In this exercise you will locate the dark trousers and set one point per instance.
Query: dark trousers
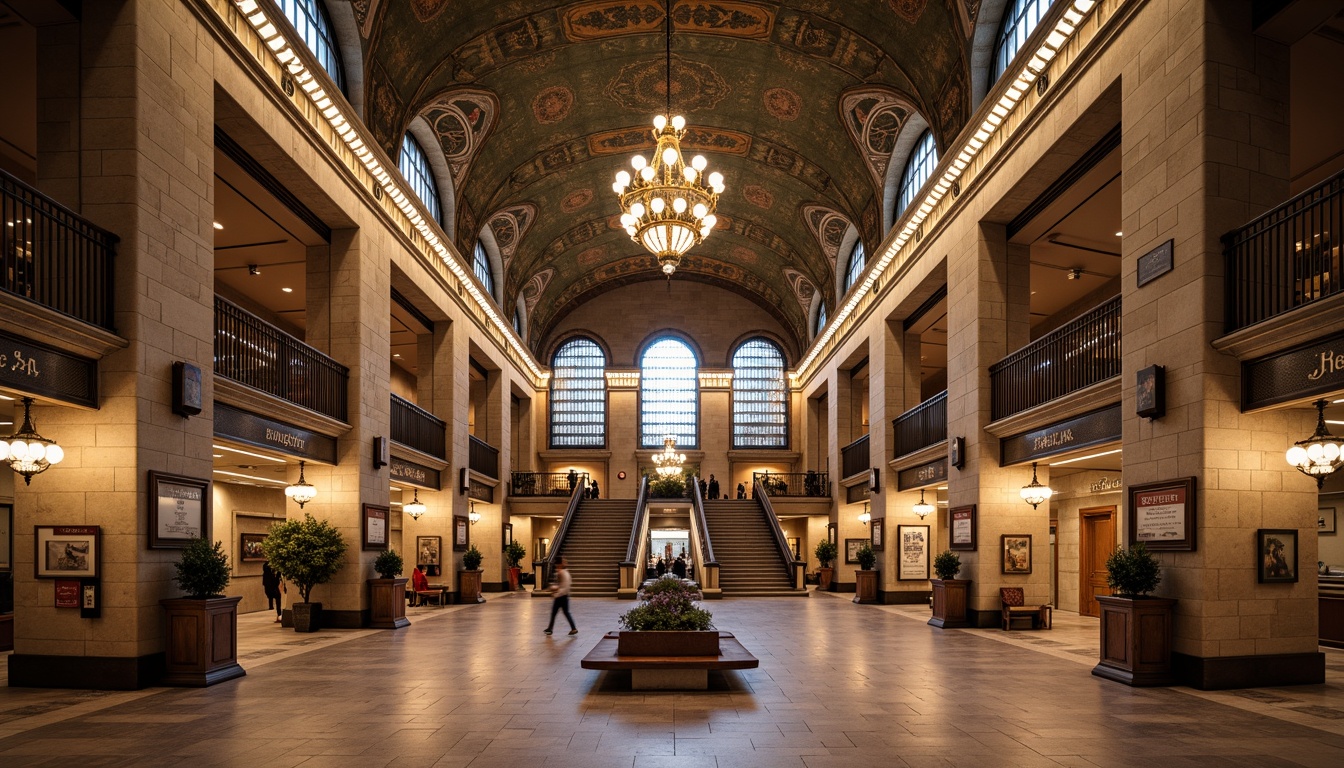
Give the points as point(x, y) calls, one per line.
point(560, 604)
point(274, 599)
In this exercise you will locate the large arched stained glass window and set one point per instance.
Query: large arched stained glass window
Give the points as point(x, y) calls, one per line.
point(480, 264)
point(1019, 21)
point(414, 166)
point(311, 21)
point(821, 320)
point(579, 395)
point(668, 395)
point(760, 396)
point(917, 170)
point(854, 267)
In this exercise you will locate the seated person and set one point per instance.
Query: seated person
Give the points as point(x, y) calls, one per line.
point(419, 582)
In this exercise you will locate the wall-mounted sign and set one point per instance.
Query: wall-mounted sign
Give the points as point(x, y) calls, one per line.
point(913, 557)
point(923, 475)
point(241, 426)
point(42, 371)
point(179, 510)
point(1150, 392)
point(1095, 428)
point(480, 491)
point(1162, 515)
point(961, 520)
point(1311, 369)
point(67, 593)
point(1102, 485)
point(1155, 263)
point(409, 472)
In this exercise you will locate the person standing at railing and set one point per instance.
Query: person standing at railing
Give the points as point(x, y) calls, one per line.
point(573, 478)
point(713, 487)
point(741, 491)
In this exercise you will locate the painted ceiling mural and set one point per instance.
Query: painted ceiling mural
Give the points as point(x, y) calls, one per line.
point(538, 105)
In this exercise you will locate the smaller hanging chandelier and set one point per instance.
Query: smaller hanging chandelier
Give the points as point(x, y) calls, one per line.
point(1035, 493)
point(473, 515)
point(668, 463)
point(1319, 455)
point(865, 517)
point(27, 452)
point(923, 508)
point(302, 491)
point(415, 508)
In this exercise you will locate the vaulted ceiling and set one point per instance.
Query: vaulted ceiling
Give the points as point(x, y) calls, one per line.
point(538, 104)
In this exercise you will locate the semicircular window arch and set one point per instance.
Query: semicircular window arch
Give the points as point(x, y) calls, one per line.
point(313, 23)
point(1019, 21)
point(414, 167)
point(669, 396)
point(858, 258)
point(760, 396)
point(917, 171)
point(579, 395)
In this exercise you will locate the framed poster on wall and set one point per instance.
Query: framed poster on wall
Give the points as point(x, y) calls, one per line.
point(1016, 553)
point(1163, 515)
point(913, 557)
point(249, 548)
point(461, 533)
point(179, 510)
point(1276, 550)
point(375, 527)
point(427, 551)
point(65, 551)
point(961, 521)
point(878, 530)
point(852, 547)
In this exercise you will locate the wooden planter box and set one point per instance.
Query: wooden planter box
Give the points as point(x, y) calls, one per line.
point(686, 643)
point(469, 586)
point(865, 586)
point(824, 578)
point(307, 616)
point(949, 603)
point(387, 604)
point(202, 647)
point(1136, 640)
point(515, 574)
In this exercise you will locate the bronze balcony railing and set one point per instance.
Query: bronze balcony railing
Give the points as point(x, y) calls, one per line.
point(1083, 352)
point(416, 428)
point(482, 457)
point(921, 426)
point(854, 457)
point(544, 483)
point(1288, 257)
point(251, 351)
point(54, 257)
point(793, 483)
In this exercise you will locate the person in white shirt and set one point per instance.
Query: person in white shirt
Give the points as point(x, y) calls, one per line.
point(560, 599)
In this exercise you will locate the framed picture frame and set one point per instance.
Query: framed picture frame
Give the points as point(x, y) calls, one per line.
point(961, 525)
point(1276, 555)
point(374, 527)
point(6, 537)
point(878, 527)
point(1015, 554)
point(249, 548)
point(66, 551)
point(912, 559)
point(795, 546)
point(1162, 515)
point(427, 550)
point(508, 537)
point(1150, 392)
point(179, 510)
point(852, 547)
point(1326, 521)
point(461, 533)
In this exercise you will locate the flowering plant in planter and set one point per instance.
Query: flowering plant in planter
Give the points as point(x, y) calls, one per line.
point(668, 605)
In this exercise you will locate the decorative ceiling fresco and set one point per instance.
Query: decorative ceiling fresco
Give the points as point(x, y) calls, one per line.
point(538, 105)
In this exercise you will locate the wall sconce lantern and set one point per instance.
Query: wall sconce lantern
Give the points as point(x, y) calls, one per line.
point(1318, 456)
point(415, 508)
point(923, 508)
point(473, 515)
point(1035, 493)
point(302, 491)
point(864, 516)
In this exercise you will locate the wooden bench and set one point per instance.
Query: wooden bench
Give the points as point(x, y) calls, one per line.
point(436, 592)
point(669, 672)
point(1039, 616)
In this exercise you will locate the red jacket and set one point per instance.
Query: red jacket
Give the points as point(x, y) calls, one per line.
point(418, 581)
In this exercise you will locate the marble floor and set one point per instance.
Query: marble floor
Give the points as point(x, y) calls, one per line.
point(839, 685)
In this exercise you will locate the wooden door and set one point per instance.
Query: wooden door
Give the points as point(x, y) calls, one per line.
point(1096, 541)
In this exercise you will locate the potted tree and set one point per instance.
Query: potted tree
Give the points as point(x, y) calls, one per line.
point(865, 579)
point(825, 552)
point(307, 552)
point(949, 592)
point(469, 578)
point(514, 554)
point(1136, 629)
point(387, 593)
point(673, 487)
point(202, 642)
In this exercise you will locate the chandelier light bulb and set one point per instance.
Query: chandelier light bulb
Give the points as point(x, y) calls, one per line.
point(689, 173)
point(669, 156)
point(1297, 456)
point(704, 232)
point(55, 454)
point(669, 268)
point(618, 187)
point(679, 205)
point(637, 210)
point(646, 173)
point(699, 162)
point(699, 210)
point(678, 123)
point(638, 162)
point(627, 220)
point(631, 230)
point(623, 178)
point(657, 205)
point(710, 220)
point(659, 122)
point(716, 179)
point(718, 189)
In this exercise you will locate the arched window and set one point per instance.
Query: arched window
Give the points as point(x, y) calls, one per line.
point(415, 169)
point(578, 395)
point(518, 321)
point(760, 397)
point(854, 268)
point(480, 264)
point(821, 320)
point(917, 170)
point(1019, 21)
point(310, 19)
point(668, 397)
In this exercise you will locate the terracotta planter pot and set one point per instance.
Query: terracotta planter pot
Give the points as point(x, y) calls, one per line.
point(515, 573)
point(865, 586)
point(469, 586)
point(824, 578)
point(387, 604)
point(949, 603)
point(1136, 639)
point(307, 616)
point(687, 643)
point(202, 647)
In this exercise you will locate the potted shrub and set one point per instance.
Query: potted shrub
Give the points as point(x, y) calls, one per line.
point(306, 552)
point(949, 592)
point(202, 642)
point(514, 554)
point(865, 579)
point(469, 578)
point(668, 622)
point(1136, 629)
point(673, 487)
point(825, 552)
point(387, 593)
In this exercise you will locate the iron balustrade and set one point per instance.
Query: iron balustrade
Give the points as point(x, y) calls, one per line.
point(854, 457)
point(544, 483)
point(53, 256)
point(1286, 258)
point(921, 426)
point(1083, 352)
point(416, 428)
point(251, 351)
point(483, 457)
point(810, 483)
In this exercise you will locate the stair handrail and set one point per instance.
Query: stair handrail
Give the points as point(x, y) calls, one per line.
point(548, 565)
point(794, 566)
point(706, 546)
point(707, 567)
point(636, 526)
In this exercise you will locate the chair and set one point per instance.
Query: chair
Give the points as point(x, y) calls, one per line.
point(1039, 616)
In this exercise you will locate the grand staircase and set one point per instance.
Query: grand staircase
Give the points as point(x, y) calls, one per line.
point(596, 543)
point(750, 563)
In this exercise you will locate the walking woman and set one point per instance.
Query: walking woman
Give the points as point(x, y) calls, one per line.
point(273, 585)
point(560, 599)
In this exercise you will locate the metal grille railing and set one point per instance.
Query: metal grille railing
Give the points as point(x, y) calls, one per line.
point(1081, 353)
point(921, 426)
point(53, 256)
point(251, 351)
point(544, 483)
point(793, 483)
point(854, 457)
point(414, 427)
point(483, 457)
point(1287, 258)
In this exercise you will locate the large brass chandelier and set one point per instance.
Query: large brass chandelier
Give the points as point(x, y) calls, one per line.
point(667, 205)
point(668, 463)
